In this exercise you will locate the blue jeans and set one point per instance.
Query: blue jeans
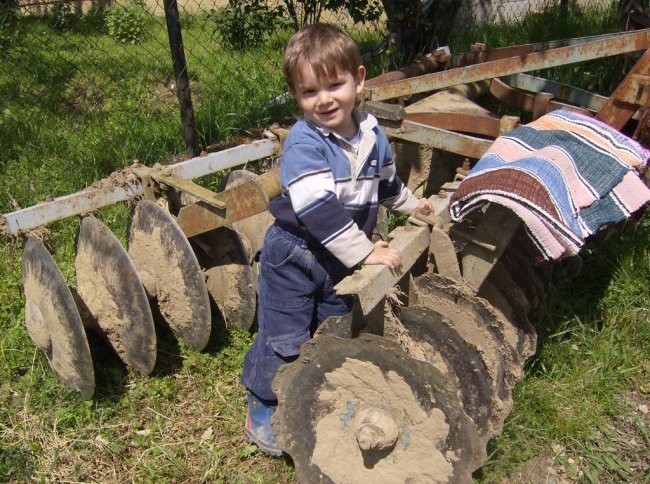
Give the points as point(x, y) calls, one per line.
point(295, 294)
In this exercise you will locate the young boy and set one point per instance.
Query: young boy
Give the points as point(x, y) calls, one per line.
point(336, 169)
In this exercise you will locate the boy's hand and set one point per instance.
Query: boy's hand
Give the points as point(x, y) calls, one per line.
point(382, 254)
point(424, 207)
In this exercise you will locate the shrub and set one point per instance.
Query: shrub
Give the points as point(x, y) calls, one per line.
point(246, 23)
point(60, 15)
point(126, 22)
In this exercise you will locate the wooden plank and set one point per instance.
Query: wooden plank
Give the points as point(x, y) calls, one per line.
point(372, 282)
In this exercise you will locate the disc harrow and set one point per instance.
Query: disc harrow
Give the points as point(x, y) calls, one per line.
point(170, 272)
point(112, 297)
point(53, 321)
point(416, 380)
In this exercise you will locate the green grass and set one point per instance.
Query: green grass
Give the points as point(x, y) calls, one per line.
point(91, 106)
point(579, 400)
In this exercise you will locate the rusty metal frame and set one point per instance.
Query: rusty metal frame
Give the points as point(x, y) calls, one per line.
point(439, 130)
point(483, 64)
point(602, 46)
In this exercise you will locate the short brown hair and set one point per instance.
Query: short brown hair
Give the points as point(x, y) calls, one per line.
point(323, 47)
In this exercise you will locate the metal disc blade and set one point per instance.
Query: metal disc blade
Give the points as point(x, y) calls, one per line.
point(252, 228)
point(53, 320)
point(362, 410)
point(170, 272)
point(229, 275)
point(477, 323)
point(427, 336)
point(510, 302)
point(111, 290)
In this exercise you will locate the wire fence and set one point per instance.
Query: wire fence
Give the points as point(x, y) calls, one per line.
point(86, 86)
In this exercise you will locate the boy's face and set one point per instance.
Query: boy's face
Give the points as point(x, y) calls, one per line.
point(328, 100)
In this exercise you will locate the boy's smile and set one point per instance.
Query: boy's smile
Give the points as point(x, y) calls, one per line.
point(328, 100)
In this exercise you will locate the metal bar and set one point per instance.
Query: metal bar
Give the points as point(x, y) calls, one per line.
point(197, 191)
point(457, 121)
point(485, 55)
point(638, 90)
point(91, 199)
point(628, 42)
point(486, 243)
point(439, 138)
point(372, 282)
point(560, 91)
point(539, 103)
point(618, 109)
point(241, 201)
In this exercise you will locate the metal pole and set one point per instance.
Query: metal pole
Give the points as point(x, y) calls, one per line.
point(182, 78)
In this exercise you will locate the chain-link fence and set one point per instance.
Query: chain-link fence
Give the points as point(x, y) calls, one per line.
point(86, 86)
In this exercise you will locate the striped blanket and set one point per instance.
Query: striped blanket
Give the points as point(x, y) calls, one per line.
point(565, 175)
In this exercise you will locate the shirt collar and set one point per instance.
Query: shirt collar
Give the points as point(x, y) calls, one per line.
point(366, 122)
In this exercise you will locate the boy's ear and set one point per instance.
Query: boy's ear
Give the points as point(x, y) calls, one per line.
point(361, 78)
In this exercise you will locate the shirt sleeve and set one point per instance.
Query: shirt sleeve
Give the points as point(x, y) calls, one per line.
point(393, 193)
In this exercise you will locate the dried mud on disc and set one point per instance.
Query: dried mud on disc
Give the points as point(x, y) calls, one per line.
point(52, 319)
point(430, 337)
point(477, 323)
point(111, 290)
point(510, 303)
point(170, 272)
point(341, 402)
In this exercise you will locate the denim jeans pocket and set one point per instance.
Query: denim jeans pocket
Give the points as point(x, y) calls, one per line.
point(279, 251)
point(288, 345)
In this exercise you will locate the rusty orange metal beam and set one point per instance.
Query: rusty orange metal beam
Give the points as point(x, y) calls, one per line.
point(632, 92)
point(595, 49)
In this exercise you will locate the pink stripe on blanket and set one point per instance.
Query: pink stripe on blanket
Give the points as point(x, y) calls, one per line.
point(590, 133)
point(550, 243)
point(632, 192)
point(508, 149)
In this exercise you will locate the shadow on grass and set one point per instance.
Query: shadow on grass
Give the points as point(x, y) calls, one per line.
point(112, 374)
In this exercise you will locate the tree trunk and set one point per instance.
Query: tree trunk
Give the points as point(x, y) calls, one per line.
point(416, 27)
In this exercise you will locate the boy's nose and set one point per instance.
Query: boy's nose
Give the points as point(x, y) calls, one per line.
point(324, 97)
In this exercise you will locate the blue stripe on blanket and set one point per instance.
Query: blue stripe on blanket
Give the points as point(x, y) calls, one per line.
point(604, 211)
point(598, 168)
